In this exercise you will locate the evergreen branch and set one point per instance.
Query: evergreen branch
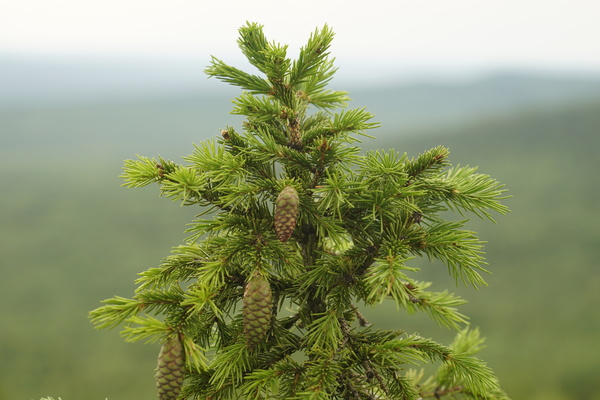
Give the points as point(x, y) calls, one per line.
point(264, 143)
point(386, 209)
point(311, 56)
point(230, 365)
point(331, 279)
point(200, 298)
point(269, 58)
point(321, 379)
point(278, 65)
point(291, 380)
point(361, 318)
point(284, 377)
point(441, 306)
point(258, 108)
point(328, 99)
point(169, 272)
point(173, 296)
point(410, 350)
point(213, 274)
point(352, 121)
point(324, 333)
point(386, 278)
point(470, 373)
point(180, 266)
point(315, 84)
point(216, 166)
point(381, 169)
point(145, 170)
point(468, 342)
point(194, 355)
point(459, 249)
point(233, 142)
point(332, 229)
point(116, 311)
point(200, 387)
point(474, 192)
point(318, 119)
point(334, 193)
point(430, 161)
point(119, 309)
point(148, 328)
point(372, 372)
point(314, 92)
point(460, 369)
point(316, 127)
point(183, 184)
point(401, 388)
point(223, 72)
point(259, 383)
point(243, 197)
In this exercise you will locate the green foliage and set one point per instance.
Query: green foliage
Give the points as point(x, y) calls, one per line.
point(361, 220)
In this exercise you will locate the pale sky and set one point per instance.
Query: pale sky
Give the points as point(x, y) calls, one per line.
point(555, 34)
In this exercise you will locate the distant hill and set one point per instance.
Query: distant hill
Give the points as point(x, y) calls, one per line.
point(120, 107)
point(38, 81)
point(427, 105)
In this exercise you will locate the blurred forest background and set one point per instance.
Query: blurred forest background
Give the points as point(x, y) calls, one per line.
point(70, 236)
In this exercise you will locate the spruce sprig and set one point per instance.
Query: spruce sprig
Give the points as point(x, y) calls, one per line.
point(271, 309)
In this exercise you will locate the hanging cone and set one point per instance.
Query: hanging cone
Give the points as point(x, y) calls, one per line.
point(258, 306)
point(169, 373)
point(286, 213)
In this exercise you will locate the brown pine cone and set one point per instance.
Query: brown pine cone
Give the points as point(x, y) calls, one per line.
point(257, 310)
point(169, 373)
point(286, 213)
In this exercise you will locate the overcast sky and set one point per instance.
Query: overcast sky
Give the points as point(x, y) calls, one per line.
point(471, 34)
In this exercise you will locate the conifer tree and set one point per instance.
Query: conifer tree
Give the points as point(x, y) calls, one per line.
point(299, 230)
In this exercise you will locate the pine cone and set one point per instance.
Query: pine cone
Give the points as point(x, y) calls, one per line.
point(258, 306)
point(286, 212)
point(169, 373)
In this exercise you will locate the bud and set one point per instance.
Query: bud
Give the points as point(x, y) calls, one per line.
point(169, 373)
point(258, 306)
point(286, 212)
